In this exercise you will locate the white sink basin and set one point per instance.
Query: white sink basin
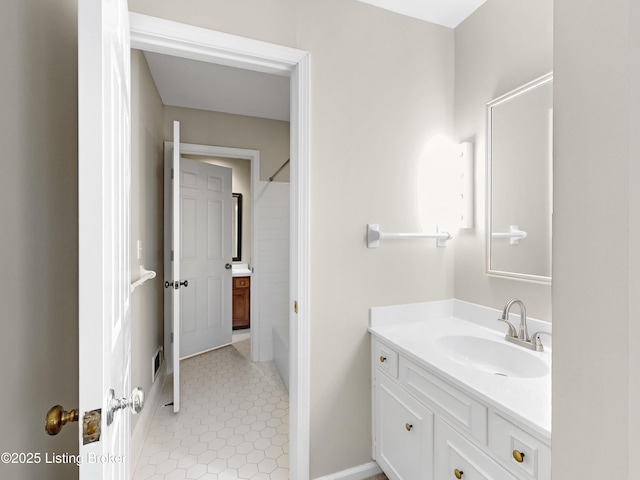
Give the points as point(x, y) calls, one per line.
point(492, 357)
point(240, 269)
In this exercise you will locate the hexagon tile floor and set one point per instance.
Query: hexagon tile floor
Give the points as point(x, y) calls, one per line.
point(233, 422)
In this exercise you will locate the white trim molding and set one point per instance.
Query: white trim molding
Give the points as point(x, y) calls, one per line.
point(167, 37)
point(300, 316)
point(361, 472)
point(158, 35)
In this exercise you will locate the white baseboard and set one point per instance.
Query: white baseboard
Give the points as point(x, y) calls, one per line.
point(356, 473)
point(281, 358)
point(152, 399)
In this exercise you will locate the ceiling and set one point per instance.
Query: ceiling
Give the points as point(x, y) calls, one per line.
point(448, 13)
point(192, 84)
point(206, 86)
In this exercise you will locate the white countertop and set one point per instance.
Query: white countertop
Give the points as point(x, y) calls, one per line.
point(240, 270)
point(415, 335)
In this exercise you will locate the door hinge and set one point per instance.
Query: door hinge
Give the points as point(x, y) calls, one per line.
point(91, 426)
point(295, 306)
point(171, 337)
point(172, 255)
point(172, 173)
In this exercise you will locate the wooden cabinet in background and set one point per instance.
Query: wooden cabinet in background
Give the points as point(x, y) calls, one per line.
point(241, 306)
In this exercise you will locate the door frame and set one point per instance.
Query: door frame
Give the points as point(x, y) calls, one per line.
point(172, 38)
point(253, 156)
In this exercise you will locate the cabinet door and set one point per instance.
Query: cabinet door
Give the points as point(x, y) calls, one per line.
point(457, 458)
point(403, 433)
point(241, 302)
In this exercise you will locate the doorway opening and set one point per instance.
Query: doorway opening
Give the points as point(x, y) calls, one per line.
point(166, 37)
point(269, 252)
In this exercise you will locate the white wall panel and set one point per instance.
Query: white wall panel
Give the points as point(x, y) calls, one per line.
point(272, 272)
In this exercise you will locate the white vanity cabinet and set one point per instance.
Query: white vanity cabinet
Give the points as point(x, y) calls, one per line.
point(426, 428)
point(404, 433)
point(456, 457)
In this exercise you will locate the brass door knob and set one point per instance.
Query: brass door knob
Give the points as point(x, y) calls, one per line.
point(458, 473)
point(57, 417)
point(382, 358)
point(519, 456)
point(408, 426)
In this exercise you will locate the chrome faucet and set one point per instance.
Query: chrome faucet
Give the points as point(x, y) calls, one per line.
point(520, 337)
point(522, 334)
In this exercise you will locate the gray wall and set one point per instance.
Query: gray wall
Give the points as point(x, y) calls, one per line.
point(38, 230)
point(501, 46)
point(596, 279)
point(271, 137)
point(147, 222)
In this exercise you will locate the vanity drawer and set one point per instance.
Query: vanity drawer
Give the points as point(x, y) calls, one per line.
point(385, 358)
point(507, 440)
point(455, 457)
point(241, 282)
point(460, 409)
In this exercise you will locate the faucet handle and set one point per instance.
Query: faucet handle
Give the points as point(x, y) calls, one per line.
point(512, 331)
point(535, 339)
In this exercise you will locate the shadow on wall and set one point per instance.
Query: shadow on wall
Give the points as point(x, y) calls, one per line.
point(38, 244)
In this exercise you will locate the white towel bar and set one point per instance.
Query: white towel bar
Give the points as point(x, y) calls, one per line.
point(514, 234)
point(374, 235)
point(144, 276)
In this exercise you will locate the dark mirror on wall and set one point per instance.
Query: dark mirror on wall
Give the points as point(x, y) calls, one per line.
point(236, 226)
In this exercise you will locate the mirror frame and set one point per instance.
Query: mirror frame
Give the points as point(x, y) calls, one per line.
point(489, 180)
point(236, 224)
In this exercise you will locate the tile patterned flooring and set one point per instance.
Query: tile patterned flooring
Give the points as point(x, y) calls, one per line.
point(233, 423)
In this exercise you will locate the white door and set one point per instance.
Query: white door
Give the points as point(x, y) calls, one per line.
point(198, 231)
point(205, 257)
point(103, 196)
point(172, 261)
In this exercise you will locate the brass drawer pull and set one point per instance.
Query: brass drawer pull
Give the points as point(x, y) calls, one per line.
point(519, 456)
point(408, 426)
point(382, 358)
point(458, 473)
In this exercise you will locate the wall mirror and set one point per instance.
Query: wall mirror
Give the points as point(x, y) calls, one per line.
point(236, 226)
point(519, 182)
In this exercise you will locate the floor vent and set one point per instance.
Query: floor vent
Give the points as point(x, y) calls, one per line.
point(156, 361)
